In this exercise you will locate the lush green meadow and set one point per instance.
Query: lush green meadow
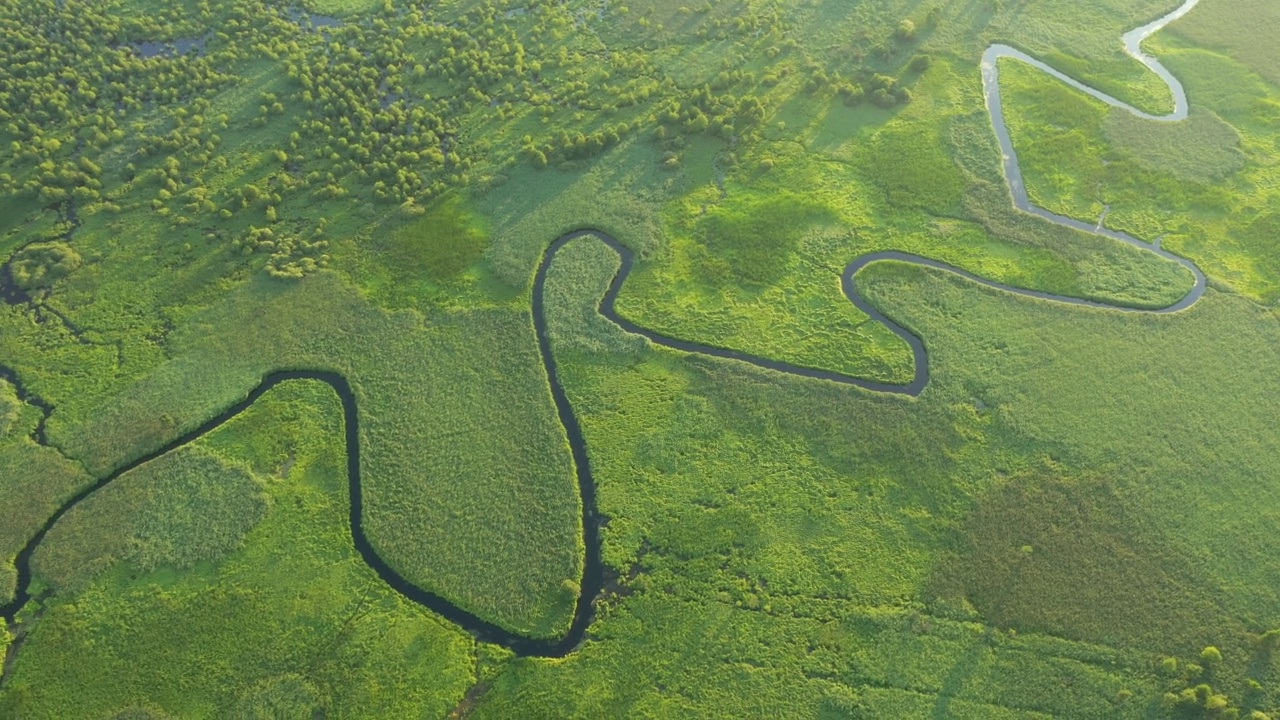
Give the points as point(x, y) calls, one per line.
point(37, 480)
point(1024, 492)
point(1075, 519)
point(1206, 187)
point(220, 581)
point(445, 452)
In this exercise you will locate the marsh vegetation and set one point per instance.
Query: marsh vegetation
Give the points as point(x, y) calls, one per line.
point(1075, 519)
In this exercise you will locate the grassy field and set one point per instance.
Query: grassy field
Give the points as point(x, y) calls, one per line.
point(878, 196)
point(1076, 519)
point(1210, 198)
point(438, 401)
point(38, 479)
point(1238, 30)
point(918, 558)
point(273, 615)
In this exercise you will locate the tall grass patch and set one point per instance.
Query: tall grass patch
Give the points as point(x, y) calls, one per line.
point(913, 166)
point(1171, 410)
point(468, 483)
point(1243, 29)
point(753, 238)
point(175, 511)
point(1201, 149)
point(443, 241)
point(1064, 557)
point(291, 623)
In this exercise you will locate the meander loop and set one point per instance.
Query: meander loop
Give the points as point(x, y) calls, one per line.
point(593, 573)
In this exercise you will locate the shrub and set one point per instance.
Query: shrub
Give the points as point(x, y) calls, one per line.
point(883, 98)
point(40, 265)
point(852, 94)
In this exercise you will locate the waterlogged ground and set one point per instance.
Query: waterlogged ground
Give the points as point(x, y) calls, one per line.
point(1074, 519)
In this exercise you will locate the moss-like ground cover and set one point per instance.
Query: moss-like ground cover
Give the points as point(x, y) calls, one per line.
point(1076, 519)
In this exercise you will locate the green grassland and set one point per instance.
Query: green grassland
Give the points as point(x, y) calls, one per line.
point(1080, 503)
point(890, 185)
point(272, 614)
point(914, 558)
point(445, 451)
point(1210, 195)
point(1236, 29)
point(36, 481)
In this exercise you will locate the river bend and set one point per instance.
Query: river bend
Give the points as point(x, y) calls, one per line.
point(593, 575)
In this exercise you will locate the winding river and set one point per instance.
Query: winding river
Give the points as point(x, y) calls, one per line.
point(593, 575)
point(1013, 170)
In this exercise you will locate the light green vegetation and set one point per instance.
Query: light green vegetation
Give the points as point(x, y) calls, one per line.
point(1077, 496)
point(305, 150)
point(1201, 149)
point(1191, 421)
point(920, 183)
point(715, 660)
point(179, 510)
point(287, 623)
point(770, 568)
point(1239, 29)
point(40, 265)
point(1081, 39)
point(445, 451)
point(9, 408)
point(1207, 186)
point(35, 482)
point(343, 7)
point(1083, 264)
